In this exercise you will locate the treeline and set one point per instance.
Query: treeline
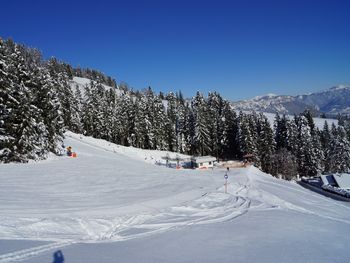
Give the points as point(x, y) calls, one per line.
point(91, 74)
point(209, 126)
point(31, 104)
point(37, 103)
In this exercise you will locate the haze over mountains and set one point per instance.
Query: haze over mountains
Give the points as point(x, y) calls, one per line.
point(331, 102)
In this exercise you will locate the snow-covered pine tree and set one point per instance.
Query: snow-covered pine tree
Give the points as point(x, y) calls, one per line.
point(99, 102)
point(93, 108)
point(6, 104)
point(185, 128)
point(26, 135)
point(76, 124)
point(308, 160)
point(159, 126)
point(254, 125)
point(47, 89)
point(281, 131)
point(292, 135)
point(247, 137)
point(318, 153)
point(69, 102)
point(266, 144)
point(31, 135)
point(307, 114)
point(110, 117)
point(127, 119)
point(119, 121)
point(87, 111)
point(172, 123)
point(338, 155)
point(191, 131)
point(150, 112)
point(201, 138)
point(142, 124)
point(215, 110)
point(230, 145)
point(325, 140)
point(181, 124)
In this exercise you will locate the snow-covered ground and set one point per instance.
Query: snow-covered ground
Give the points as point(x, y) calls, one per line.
point(113, 204)
point(319, 122)
point(82, 83)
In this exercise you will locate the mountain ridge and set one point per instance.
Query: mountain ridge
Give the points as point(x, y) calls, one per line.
point(332, 101)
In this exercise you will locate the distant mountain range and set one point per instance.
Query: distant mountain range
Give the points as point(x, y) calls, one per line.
point(331, 102)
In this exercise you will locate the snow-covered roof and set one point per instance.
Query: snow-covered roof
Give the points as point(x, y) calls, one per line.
point(328, 179)
point(343, 180)
point(203, 159)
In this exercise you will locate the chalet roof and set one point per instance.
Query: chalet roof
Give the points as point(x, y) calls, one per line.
point(328, 179)
point(343, 180)
point(203, 159)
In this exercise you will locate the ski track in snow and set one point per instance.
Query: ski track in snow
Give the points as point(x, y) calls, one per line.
point(249, 190)
point(211, 208)
point(31, 252)
point(326, 205)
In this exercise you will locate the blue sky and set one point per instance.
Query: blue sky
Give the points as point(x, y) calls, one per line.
point(238, 48)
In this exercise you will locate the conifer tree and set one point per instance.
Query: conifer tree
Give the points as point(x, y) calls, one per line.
point(247, 142)
point(266, 144)
point(181, 125)
point(160, 124)
point(293, 137)
point(325, 140)
point(230, 145)
point(339, 151)
point(76, 124)
point(281, 131)
point(215, 117)
point(47, 90)
point(126, 117)
point(7, 102)
point(142, 124)
point(308, 159)
point(201, 137)
point(172, 122)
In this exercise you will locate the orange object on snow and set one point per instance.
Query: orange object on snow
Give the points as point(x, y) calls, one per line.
point(74, 155)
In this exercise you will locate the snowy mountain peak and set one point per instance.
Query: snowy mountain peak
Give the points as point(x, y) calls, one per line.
point(340, 87)
point(331, 101)
point(266, 96)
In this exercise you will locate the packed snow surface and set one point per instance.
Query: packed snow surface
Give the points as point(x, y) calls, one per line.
point(120, 204)
point(82, 83)
point(319, 122)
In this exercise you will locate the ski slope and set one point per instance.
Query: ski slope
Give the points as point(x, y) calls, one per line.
point(113, 204)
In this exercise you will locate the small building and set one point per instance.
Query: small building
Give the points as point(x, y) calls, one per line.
point(336, 186)
point(203, 162)
point(328, 179)
point(340, 180)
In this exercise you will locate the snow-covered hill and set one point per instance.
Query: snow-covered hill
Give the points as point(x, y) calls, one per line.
point(109, 193)
point(319, 122)
point(82, 83)
point(332, 101)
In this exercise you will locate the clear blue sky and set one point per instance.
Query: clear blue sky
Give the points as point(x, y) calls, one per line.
point(238, 48)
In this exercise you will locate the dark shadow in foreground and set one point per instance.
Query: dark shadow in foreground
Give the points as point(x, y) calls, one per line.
point(58, 257)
